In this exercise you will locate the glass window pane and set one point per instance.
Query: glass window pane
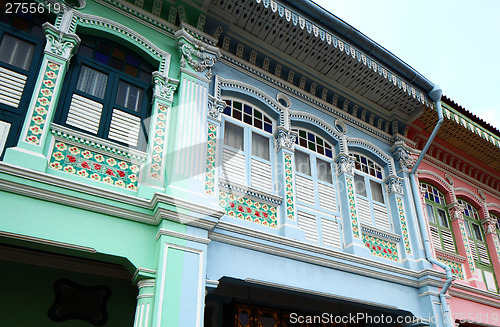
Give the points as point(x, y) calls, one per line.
point(302, 163)
point(233, 136)
point(129, 96)
point(443, 221)
point(16, 52)
point(359, 185)
point(92, 82)
point(377, 191)
point(467, 227)
point(260, 146)
point(477, 232)
point(430, 213)
point(324, 171)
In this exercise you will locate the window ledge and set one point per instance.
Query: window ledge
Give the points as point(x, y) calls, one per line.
point(251, 192)
point(450, 256)
point(99, 144)
point(388, 236)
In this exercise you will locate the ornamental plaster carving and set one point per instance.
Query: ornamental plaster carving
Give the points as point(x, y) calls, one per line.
point(345, 164)
point(489, 226)
point(285, 139)
point(394, 185)
point(456, 211)
point(60, 44)
point(215, 107)
point(164, 86)
point(197, 58)
point(405, 158)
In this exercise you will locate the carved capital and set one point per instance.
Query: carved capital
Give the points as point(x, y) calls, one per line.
point(60, 44)
point(394, 185)
point(489, 225)
point(196, 57)
point(345, 164)
point(456, 211)
point(164, 86)
point(215, 107)
point(404, 157)
point(285, 139)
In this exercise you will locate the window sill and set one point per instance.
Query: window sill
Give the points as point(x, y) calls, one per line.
point(251, 192)
point(388, 236)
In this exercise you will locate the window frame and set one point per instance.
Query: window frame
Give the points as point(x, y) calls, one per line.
point(368, 179)
point(247, 151)
point(469, 222)
point(108, 102)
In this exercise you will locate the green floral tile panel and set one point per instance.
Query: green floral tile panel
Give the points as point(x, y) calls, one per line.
point(210, 164)
point(467, 248)
point(352, 208)
point(158, 143)
point(38, 119)
point(248, 209)
point(95, 166)
point(381, 248)
point(456, 268)
point(404, 227)
point(290, 213)
point(497, 245)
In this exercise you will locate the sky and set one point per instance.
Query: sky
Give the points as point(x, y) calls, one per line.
point(455, 44)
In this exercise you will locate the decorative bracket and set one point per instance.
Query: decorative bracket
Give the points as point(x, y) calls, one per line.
point(215, 107)
point(345, 164)
point(164, 86)
point(60, 44)
point(285, 139)
point(406, 156)
point(394, 185)
point(456, 211)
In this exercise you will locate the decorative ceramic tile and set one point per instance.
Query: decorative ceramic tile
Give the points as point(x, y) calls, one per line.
point(381, 248)
point(467, 247)
point(352, 208)
point(88, 164)
point(497, 245)
point(248, 209)
point(210, 164)
point(404, 227)
point(38, 119)
point(290, 210)
point(159, 142)
point(456, 268)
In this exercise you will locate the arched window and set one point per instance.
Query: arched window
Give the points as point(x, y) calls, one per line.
point(439, 220)
point(247, 154)
point(370, 195)
point(21, 48)
point(315, 187)
point(108, 93)
point(477, 244)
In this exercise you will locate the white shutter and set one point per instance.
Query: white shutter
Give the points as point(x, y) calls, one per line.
point(84, 114)
point(490, 281)
point(448, 243)
point(4, 132)
point(330, 232)
point(305, 190)
point(261, 175)
point(233, 166)
point(11, 87)
point(472, 247)
point(307, 223)
point(435, 237)
point(124, 127)
point(363, 208)
point(381, 217)
point(483, 253)
point(327, 198)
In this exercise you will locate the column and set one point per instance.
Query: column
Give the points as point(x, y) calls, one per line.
point(462, 243)
point(144, 303)
point(285, 141)
point(153, 176)
point(35, 134)
point(353, 238)
point(187, 152)
point(493, 245)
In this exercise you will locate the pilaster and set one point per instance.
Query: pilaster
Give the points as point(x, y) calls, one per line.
point(143, 311)
point(493, 245)
point(35, 134)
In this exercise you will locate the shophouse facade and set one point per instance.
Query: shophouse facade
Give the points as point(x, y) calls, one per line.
point(234, 163)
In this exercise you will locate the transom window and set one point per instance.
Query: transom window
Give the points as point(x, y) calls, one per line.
point(247, 113)
point(108, 87)
point(367, 166)
point(437, 213)
point(370, 193)
point(313, 142)
point(247, 154)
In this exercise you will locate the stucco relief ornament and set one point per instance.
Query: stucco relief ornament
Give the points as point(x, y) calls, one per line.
point(345, 164)
point(285, 139)
point(394, 185)
point(456, 211)
point(215, 107)
point(164, 89)
point(59, 43)
point(406, 159)
point(489, 226)
point(196, 57)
